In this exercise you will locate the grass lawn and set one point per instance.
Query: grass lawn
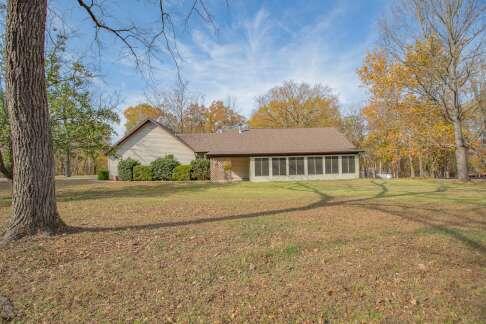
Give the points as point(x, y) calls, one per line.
point(349, 250)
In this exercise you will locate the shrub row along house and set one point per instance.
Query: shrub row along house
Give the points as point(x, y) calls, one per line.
point(246, 154)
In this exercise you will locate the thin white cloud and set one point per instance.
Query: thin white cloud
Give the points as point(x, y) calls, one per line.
point(260, 52)
point(254, 61)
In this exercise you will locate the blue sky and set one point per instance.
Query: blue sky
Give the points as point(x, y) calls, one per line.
point(257, 45)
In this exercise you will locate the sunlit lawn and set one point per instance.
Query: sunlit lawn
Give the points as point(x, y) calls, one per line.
point(349, 250)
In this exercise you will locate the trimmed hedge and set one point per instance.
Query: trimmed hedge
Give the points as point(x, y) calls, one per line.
point(103, 175)
point(163, 168)
point(182, 173)
point(200, 169)
point(142, 173)
point(125, 169)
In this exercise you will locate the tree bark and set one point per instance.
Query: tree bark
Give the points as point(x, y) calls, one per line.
point(34, 207)
point(67, 163)
point(412, 168)
point(421, 166)
point(461, 151)
point(93, 159)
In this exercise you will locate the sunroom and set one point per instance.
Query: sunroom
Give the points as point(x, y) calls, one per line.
point(306, 167)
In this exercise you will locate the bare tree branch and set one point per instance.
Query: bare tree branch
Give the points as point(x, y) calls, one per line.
point(138, 40)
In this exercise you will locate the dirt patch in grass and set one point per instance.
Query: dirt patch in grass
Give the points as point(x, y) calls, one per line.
point(292, 251)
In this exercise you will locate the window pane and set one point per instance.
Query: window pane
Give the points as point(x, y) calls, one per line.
point(275, 167)
point(335, 165)
point(258, 167)
point(279, 166)
point(328, 165)
point(300, 166)
point(348, 164)
point(292, 166)
point(352, 165)
point(332, 166)
point(311, 166)
point(261, 167)
point(314, 165)
point(283, 166)
point(319, 165)
point(344, 164)
point(265, 165)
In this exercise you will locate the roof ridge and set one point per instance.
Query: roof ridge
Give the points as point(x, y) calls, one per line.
point(264, 128)
point(294, 127)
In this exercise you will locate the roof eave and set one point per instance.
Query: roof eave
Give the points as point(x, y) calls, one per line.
point(353, 151)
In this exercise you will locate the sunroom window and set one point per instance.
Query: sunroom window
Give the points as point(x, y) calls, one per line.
point(314, 165)
point(348, 165)
point(332, 166)
point(279, 166)
point(261, 167)
point(296, 166)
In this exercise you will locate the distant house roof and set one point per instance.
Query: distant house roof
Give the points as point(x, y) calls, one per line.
point(271, 141)
point(262, 141)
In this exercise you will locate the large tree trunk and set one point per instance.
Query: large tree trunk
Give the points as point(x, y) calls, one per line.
point(34, 207)
point(461, 151)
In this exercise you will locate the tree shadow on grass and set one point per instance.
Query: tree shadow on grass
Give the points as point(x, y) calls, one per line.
point(326, 200)
point(438, 226)
point(162, 189)
point(406, 212)
point(133, 190)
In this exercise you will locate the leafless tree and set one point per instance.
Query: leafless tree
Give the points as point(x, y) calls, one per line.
point(177, 101)
point(177, 104)
point(452, 34)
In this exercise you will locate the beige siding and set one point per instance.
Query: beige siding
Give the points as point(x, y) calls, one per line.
point(150, 143)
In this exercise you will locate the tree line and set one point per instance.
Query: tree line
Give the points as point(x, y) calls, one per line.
point(193, 117)
point(81, 124)
point(401, 133)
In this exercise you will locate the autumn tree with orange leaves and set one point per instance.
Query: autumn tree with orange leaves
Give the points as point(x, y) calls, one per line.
point(296, 105)
point(138, 113)
point(407, 133)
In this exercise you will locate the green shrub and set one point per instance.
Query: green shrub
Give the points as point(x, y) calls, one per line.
point(142, 173)
point(182, 173)
point(103, 175)
point(163, 168)
point(125, 169)
point(200, 169)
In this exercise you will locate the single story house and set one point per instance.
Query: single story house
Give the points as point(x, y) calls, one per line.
point(246, 154)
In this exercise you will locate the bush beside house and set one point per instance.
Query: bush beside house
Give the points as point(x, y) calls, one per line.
point(200, 169)
point(125, 169)
point(182, 173)
point(163, 168)
point(142, 173)
point(166, 168)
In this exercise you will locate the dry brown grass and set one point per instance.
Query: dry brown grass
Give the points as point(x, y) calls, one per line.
point(311, 251)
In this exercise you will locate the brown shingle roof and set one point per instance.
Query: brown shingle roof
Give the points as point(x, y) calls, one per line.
point(266, 141)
